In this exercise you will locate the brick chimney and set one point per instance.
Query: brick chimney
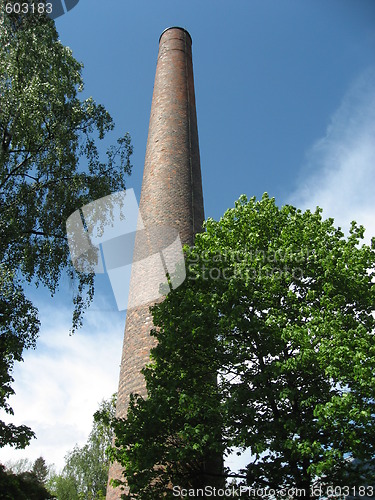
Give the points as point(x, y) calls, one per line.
point(171, 198)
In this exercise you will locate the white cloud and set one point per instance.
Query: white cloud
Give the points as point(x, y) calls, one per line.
point(339, 174)
point(60, 385)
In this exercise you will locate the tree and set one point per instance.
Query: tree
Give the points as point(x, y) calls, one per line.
point(85, 473)
point(21, 483)
point(279, 303)
point(19, 466)
point(40, 469)
point(49, 167)
point(64, 487)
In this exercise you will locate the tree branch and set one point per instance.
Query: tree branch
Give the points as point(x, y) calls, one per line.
point(42, 233)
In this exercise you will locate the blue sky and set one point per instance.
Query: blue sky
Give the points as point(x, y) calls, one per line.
point(286, 104)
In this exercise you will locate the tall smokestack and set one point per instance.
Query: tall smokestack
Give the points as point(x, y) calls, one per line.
point(171, 197)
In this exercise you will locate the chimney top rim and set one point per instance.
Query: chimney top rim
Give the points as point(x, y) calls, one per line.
point(176, 28)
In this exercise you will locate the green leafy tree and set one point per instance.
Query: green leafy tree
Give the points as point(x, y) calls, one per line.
point(21, 486)
point(49, 167)
point(85, 473)
point(279, 303)
point(64, 487)
point(39, 468)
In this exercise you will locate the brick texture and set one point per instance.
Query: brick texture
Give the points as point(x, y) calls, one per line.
point(171, 197)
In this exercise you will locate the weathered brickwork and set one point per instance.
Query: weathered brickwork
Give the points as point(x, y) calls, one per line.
point(171, 196)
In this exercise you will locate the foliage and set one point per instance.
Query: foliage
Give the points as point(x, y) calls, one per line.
point(24, 484)
point(63, 487)
point(49, 167)
point(85, 473)
point(278, 303)
point(40, 469)
point(19, 466)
